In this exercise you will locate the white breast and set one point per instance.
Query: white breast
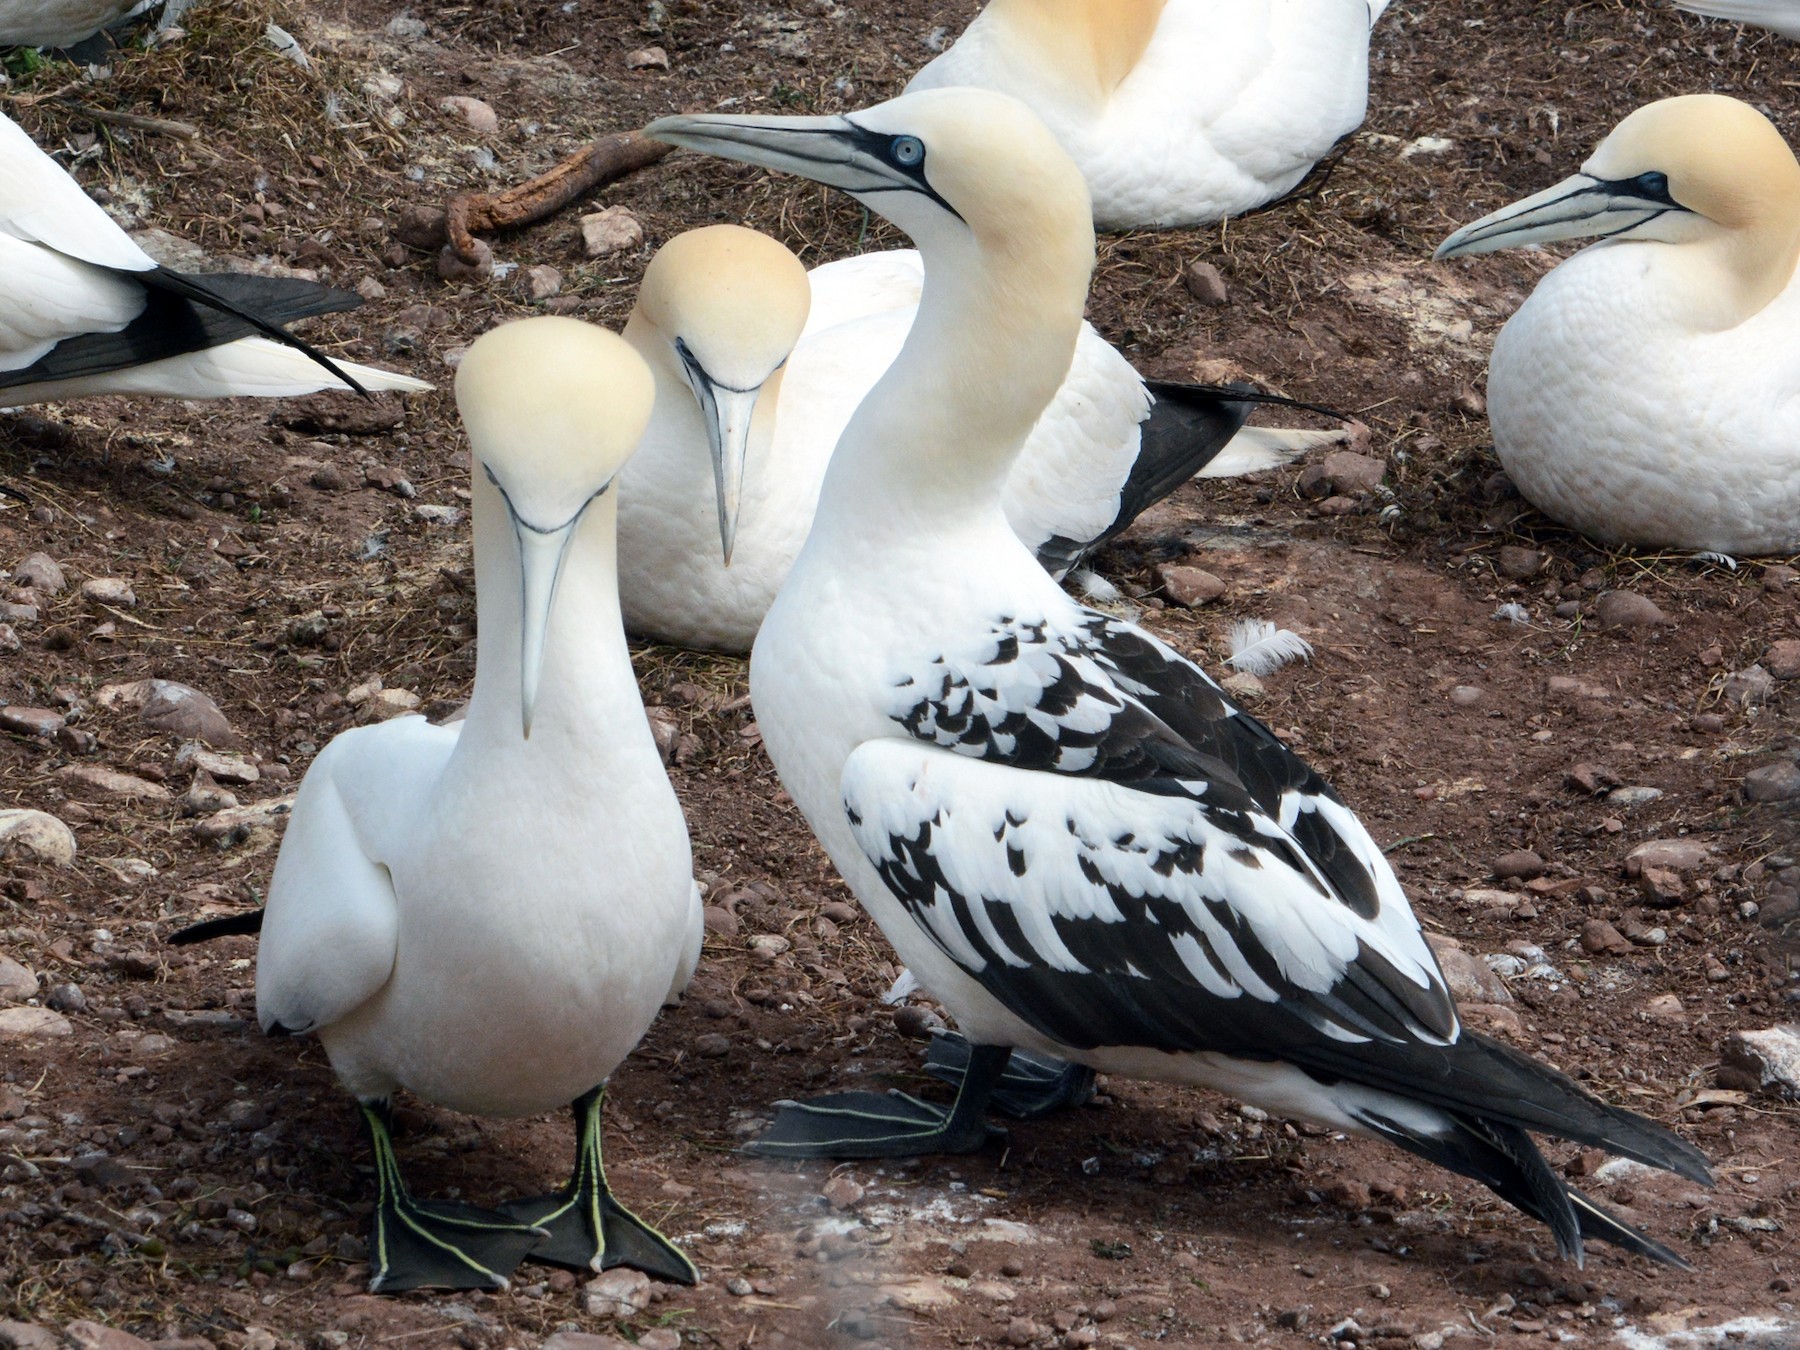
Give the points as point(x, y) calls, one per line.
point(57, 23)
point(1616, 418)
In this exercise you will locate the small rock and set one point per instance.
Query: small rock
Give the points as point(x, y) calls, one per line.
point(647, 58)
point(1189, 587)
point(1469, 402)
point(1600, 938)
point(618, 1293)
point(542, 282)
point(1466, 696)
point(665, 731)
point(1627, 609)
point(108, 591)
point(23, 721)
point(18, 1024)
point(1762, 1060)
point(1592, 778)
point(1242, 684)
point(1629, 797)
point(164, 705)
point(1469, 980)
point(1293, 1319)
point(205, 797)
point(233, 769)
point(659, 1338)
point(1522, 863)
point(614, 230)
point(40, 572)
point(1664, 1008)
point(1777, 577)
point(767, 947)
point(452, 266)
point(1349, 1194)
point(1749, 687)
point(107, 782)
point(1782, 660)
point(480, 117)
point(712, 1045)
point(739, 1287)
point(16, 983)
point(1777, 782)
point(1205, 283)
point(1677, 855)
point(916, 1023)
point(1661, 888)
point(9, 640)
point(1349, 472)
point(842, 1192)
point(1023, 1331)
point(1517, 563)
point(67, 998)
point(38, 833)
point(421, 227)
point(94, 1336)
point(256, 826)
point(329, 478)
point(584, 1340)
point(391, 703)
point(722, 921)
point(371, 290)
point(28, 1336)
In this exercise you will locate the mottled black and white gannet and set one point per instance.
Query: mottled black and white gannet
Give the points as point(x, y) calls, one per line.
point(490, 913)
point(1078, 843)
point(759, 365)
point(84, 310)
point(1778, 16)
point(1178, 112)
point(1648, 392)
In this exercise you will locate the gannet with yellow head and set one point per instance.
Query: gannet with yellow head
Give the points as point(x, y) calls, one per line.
point(84, 310)
point(1648, 391)
point(1073, 837)
point(759, 365)
point(1778, 16)
point(489, 914)
point(1178, 112)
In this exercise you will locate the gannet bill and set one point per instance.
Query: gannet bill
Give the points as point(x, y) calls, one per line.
point(1648, 391)
point(60, 23)
point(1178, 112)
point(1778, 16)
point(1075, 839)
point(759, 365)
point(84, 310)
point(489, 914)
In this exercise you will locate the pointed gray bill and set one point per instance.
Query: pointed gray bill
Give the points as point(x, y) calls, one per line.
point(1576, 208)
point(728, 412)
point(541, 557)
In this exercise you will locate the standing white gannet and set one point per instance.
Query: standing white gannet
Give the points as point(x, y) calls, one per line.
point(1648, 392)
point(60, 23)
point(1072, 836)
point(84, 310)
point(759, 365)
point(489, 914)
point(1778, 16)
point(1177, 112)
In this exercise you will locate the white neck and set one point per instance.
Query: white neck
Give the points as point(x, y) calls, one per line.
point(930, 448)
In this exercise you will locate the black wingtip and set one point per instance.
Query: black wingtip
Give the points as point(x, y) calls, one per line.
point(1238, 393)
point(247, 924)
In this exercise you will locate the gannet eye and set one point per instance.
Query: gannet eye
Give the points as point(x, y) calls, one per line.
point(908, 151)
point(1654, 185)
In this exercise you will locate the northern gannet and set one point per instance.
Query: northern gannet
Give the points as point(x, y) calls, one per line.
point(1648, 391)
point(84, 310)
point(60, 23)
point(759, 365)
point(1778, 16)
point(489, 914)
point(1178, 112)
point(1075, 839)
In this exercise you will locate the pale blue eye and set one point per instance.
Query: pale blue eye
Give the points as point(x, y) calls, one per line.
point(908, 151)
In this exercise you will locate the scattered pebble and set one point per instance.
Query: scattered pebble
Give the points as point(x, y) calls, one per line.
point(1664, 1008)
point(24, 721)
point(165, 705)
point(1466, 696)
point(479, 116)
point(1753, 1061)
point(16, 983)
point(647, 58)
point(105, 782)
point(1517, 563)
point(1189, 587)
point(1205, 283)
point(452, 266)
point(108, 591)
point(40, 572)
point(842, 1191)
point(1777, 782)
point(38, 833)
point(1628, 609)
point(1629, 797)
point(233, 769)
point(1600, 938)
point(1521, 863)
point(618, 1293)
point(1677, 855)
point(1782, 660)
point(19, 1024)
point(541, 282)
point(1748, 687)
point(614, 230)
point(1469, 980)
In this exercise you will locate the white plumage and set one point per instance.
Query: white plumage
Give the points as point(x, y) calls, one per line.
point(490, 913)
point(1177, 112)
point(1073, 838)
point(84, 310)
point(60, 23)
point(1778, 16)
point(718, 316)
point(1648, 392)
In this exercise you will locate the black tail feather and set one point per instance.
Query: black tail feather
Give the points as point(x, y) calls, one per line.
point(247, 924)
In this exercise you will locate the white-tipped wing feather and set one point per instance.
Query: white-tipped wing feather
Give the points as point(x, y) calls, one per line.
point(1778, 16)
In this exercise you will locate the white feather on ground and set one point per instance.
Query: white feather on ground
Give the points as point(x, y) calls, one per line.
point(1258, 647)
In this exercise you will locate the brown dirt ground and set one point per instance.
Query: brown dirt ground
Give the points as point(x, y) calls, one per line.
point(1154, 1215)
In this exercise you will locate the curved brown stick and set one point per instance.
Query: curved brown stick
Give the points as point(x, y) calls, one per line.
point(607, 159)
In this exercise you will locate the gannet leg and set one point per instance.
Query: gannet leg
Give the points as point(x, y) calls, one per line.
point(1032, 1087)
point(585, 1227)
point(891, 1124)
point(433, 1244)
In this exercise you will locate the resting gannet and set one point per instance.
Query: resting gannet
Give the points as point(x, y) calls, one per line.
point(1778, 16)
point(1178, 112)
point(489, 914)
point(60, 23)
point(1075, 839)
point(759, 365)
point(84, 310)
point(1648, 392)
